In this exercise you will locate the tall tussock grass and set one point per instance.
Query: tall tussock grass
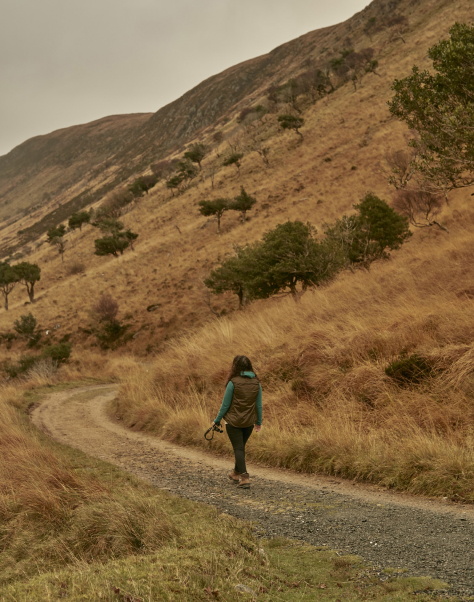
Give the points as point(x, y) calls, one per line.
point(52, 513)
point(330, 404)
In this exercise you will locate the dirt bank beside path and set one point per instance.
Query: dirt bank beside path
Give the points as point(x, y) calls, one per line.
point(386, 529)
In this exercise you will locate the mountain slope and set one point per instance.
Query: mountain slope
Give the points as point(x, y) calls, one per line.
point(346, 135)
point(63, 164)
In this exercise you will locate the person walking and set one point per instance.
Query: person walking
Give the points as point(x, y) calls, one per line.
point(241, 410)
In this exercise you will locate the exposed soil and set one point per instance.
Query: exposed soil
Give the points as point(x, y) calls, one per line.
point(426, 537)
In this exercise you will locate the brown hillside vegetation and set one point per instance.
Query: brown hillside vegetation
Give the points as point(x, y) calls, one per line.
point(346, 136)
point(55, 166)
point(329, 404)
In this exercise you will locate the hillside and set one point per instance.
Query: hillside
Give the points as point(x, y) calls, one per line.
point(346, 135)
point(82, 159)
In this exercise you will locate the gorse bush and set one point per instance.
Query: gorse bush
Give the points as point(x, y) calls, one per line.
point(110, 333)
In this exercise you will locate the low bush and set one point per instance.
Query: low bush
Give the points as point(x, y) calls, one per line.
point(23, 365)
point(58, 353)
point(409, 370)
point(110, 333)
point(76, 268)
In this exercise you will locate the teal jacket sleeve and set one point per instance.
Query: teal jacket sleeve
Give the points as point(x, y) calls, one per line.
point(229, 393)
point(259, 406)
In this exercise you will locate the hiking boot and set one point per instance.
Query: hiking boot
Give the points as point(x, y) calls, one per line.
point(244, 481)
point(234, 477)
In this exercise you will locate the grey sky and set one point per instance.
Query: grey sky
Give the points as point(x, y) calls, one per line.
point(64, 62)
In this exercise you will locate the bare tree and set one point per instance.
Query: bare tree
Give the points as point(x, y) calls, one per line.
point(213, 169)
point(257, 145)
point(401, 167)
point(106, 308)
point(420, 207)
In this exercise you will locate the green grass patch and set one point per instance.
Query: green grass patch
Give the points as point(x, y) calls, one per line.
point(282, 571)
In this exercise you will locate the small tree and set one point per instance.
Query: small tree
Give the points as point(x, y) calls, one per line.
point(131, 237)
point(56, 232)
point(77, 220)
point(111, 245)
point(440, 107)
point(231, 276)
point(56, 237)
point(28, 274)
point(233, 159)
point(243, 203)
point(109, 224)
point(213, 167)
point(218, 137)
point(188, 171)
point(174, 183)
point(290, 122)
point(398, 27)
point(8, 280)
point(196, 153)
point(420, 207)
point(142, 185)
point(401, 167)
point(370, 27)
point(216, 207)
point(287, 256)
point(162, 169)
point(370, 234)
point(115, 204)
point(26, 328)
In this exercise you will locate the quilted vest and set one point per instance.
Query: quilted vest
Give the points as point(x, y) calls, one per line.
point(243, 409)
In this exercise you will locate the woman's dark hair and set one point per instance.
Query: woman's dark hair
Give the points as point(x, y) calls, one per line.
point(240, 364)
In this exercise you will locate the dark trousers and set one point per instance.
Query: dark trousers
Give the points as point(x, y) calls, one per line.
point(239, 437)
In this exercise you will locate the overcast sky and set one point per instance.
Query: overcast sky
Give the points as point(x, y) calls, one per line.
point(64, 62)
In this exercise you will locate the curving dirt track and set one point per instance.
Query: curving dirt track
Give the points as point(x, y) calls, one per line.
point(389, 530)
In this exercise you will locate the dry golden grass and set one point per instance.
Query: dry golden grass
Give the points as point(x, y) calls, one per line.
point(329, 406)
point(54, 512)
point(351, 128)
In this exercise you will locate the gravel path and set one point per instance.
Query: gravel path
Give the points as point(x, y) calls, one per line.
point(388, 530)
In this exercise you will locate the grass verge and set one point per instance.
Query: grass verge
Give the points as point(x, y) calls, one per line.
point(279, 570)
